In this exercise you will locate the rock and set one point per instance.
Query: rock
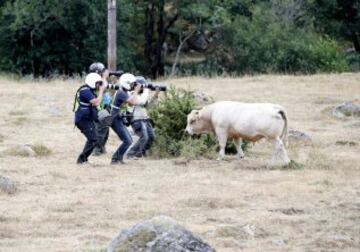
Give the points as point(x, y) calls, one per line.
point(279, 242)
point(7, 186)
point(346, 109)
point(24, 150)
point(160, 234)
point(297, 137)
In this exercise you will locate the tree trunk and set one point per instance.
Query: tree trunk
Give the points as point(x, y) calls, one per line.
point(111, 35)
point(158, 69)
point(149, 33)
point(178, 51)
point(355, 41)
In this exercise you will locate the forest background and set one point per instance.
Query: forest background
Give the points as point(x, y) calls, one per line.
point(213, 37)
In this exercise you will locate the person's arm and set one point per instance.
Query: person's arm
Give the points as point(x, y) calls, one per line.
point(144, 97)
point(154, 98)
point(133, 99)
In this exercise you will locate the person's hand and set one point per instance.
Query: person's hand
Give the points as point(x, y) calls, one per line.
point(137, 88)
point(104, 86)
point(157, 91)
point(106, 75)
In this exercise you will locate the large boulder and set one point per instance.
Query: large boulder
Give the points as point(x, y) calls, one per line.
point(346, 109)
point(160, 234)
point(7, 186)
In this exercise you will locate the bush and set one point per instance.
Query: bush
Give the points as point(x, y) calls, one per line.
point(269, 43)
point(353, 59)
point(169, 117)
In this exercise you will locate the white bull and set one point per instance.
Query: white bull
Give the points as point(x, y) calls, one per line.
point(242, 121)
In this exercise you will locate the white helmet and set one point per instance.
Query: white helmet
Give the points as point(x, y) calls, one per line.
point(126, 80)
point(91, 79)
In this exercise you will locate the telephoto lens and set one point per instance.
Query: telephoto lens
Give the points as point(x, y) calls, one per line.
point(117, 73)
point(113, 87)
point(153, 87)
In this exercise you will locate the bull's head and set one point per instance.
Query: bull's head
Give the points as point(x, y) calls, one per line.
point(195, 123)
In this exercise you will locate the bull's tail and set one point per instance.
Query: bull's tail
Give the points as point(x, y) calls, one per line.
point(284, 133)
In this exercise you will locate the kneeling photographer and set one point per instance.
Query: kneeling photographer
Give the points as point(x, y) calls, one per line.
point(141, 123)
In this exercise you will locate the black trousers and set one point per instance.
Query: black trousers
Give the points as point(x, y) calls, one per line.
point(87, 127)
point(103, 136)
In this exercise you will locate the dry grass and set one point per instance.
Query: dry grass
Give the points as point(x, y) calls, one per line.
point(233, 205)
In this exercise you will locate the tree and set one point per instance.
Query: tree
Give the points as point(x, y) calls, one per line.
point(339, 19)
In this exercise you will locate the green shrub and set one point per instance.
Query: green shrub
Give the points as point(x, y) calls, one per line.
point(169, 117)
point(353, 60)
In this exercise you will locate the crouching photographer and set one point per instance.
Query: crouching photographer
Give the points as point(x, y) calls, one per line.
point(141, 122)
point(118, 108)
point(102, 129)
point(103, 124)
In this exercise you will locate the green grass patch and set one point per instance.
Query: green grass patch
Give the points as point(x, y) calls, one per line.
point(17, 113)
point(348, 143)
point(41, 150)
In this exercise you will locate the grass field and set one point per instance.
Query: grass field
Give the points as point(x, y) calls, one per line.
point(234, 205)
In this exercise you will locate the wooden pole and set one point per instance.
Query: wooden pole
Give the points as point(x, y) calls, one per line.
point(111, 35)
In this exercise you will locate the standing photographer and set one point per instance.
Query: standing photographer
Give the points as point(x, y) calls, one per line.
point(118, 111)
point(141, 121)
point(86, 112)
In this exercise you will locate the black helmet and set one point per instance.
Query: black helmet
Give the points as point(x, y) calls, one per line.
point(141, 80)
point(97, 67)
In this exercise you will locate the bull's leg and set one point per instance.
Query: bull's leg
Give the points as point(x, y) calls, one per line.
point(283, 152)
point(221, 135)
point(240, 152)
point(279, 149)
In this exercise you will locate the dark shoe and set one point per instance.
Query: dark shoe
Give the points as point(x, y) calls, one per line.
point(98, 151)
point(117, 162)
point(81, 160)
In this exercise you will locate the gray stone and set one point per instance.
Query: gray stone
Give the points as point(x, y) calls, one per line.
point(296, 137)
point(279, 242)
point(160, 234)
point(346, 109)
point(7, 186)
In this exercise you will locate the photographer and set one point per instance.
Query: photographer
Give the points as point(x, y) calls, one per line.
point(141, 121)
point(118, 111)
point(85, 115)
point(102, 130)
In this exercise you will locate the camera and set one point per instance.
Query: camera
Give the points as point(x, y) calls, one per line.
point(116, 73)
point(145, 84)
point(113, 86)
point(153, 87)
